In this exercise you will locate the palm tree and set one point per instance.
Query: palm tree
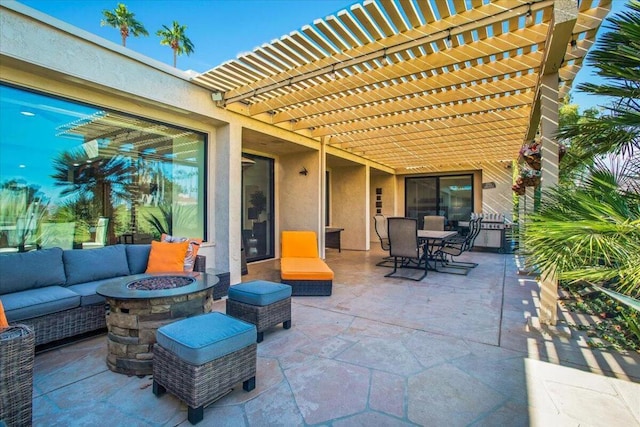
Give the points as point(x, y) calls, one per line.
point(589, 227)
point(121, 18)
point(617, 56)
point(176, 39)
point(592, 231)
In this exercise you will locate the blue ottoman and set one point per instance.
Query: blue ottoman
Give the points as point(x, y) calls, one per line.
point(200, 358)
point(263, 303)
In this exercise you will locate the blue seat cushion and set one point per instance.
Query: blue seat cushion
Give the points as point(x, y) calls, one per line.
point(28, 270)
point(87, 291)
point(259, 292)
point(87, 265)
point(200, 339)
point(38, 302)
point(138, 258)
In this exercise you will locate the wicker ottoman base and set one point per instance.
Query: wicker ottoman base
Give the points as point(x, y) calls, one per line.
point(309, 287)
point(263, 317)
point(201, 385)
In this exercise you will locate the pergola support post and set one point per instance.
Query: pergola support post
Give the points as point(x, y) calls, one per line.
point(550, 149)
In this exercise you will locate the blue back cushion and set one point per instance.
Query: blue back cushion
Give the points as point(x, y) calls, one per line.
point(138, 257)
point(28, 270)
point(87, 265)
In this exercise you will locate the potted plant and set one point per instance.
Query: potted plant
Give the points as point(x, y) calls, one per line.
point(530, 177)
point(519, 188)
point(259, 202)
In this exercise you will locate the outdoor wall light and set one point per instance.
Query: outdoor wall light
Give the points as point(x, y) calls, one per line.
point(332, 74)
point(528, 20)
point(384, 60)
point(304, 171)
point(447, 40)
point(216, 96)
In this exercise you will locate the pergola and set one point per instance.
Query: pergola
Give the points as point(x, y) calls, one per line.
point(417, 86)
point(422, 86)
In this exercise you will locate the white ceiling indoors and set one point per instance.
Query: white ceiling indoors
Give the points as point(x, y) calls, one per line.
point(413, 85)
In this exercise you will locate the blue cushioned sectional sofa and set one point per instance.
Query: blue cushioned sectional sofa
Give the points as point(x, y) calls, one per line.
point(54, 290)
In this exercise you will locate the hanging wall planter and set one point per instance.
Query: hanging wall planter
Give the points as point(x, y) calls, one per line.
point(531, 155)
point(530, 177)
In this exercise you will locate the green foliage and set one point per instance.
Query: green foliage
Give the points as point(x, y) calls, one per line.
point(169, 218)
point(568, 113)
point(617, 57)
point(23, 208)
point(162, 221)
point(617, 327)
point(591, 232)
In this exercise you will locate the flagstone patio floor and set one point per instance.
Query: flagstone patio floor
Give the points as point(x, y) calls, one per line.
point(448, 350)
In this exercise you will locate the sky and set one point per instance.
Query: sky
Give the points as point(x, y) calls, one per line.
point(222, 29)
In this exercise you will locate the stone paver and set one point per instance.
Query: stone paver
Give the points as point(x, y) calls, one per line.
point(449, 350)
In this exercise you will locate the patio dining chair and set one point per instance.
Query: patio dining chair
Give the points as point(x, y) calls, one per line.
point(434, 222)
point(380, 225)
point(405, 249)
point(455, 246)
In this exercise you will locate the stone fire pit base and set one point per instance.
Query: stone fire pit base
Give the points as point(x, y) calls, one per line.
point(132, 325)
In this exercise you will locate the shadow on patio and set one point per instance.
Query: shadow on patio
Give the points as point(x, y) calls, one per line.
point(454, 350)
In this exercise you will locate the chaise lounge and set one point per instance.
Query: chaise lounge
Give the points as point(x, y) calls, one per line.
point(301, 266)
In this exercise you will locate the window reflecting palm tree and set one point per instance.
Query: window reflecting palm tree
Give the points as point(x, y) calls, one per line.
point(107, 180)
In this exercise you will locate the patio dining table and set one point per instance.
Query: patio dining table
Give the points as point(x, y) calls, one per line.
point(434, 239)
point(435, 235)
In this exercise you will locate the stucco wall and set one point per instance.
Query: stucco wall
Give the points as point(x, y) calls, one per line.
point(298, 204)
point(388, 197)
point(350, 205)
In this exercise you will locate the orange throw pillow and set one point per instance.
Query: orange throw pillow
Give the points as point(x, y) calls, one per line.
point(166, 257)
point(3, 318)
point(194, 245)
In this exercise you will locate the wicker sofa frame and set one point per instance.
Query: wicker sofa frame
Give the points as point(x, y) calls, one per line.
point(67, 323)
point(17, 346)
point(263, 317)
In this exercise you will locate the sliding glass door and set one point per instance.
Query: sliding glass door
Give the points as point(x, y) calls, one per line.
point(257, 207)
point(449, 196)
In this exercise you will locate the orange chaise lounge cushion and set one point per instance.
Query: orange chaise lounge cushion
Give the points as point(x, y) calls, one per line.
point(299, 244)
point(299, 258)
point(304, 269)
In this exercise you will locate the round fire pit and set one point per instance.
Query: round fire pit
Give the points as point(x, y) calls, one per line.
point(140, 304)
point(160, 282)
